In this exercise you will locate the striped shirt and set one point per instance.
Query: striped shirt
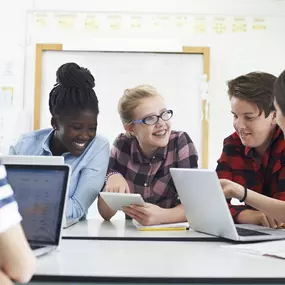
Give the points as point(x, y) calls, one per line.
point(9, 214)
point(151, 177)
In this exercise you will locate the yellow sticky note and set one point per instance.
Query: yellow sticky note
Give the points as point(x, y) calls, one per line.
point(199, 25)
point(41, 19)
point(181, 21)
point(160, 21)
point(115, 22)
point(259, 24)
point(239, 25)
point(91, 23)
point(136, 22)
point(219, 25)
point(65, 21)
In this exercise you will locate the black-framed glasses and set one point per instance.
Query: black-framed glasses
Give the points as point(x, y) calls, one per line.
point(153, 119)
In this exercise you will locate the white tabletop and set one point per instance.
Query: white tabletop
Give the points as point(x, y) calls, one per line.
point(96, 259)
point(124, 229)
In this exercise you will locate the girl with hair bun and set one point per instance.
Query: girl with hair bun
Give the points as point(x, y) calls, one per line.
point(74, 109)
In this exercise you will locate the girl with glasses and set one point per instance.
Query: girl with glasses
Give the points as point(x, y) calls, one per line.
point(141, 158)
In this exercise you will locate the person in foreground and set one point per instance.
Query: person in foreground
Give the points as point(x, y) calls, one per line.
point(141, 158)
point(267, 205)
point(73, 105)
point(254, 155)
point(17, 261)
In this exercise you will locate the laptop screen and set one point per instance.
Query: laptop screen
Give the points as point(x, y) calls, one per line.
point(40, 192)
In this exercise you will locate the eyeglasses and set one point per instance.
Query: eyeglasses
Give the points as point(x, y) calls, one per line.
point(153, 119)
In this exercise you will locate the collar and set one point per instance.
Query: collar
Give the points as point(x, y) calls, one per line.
point(137, 156)
point(45, 143)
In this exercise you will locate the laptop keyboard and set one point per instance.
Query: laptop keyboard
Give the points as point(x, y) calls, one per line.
point(246, 232)
point(33, 247)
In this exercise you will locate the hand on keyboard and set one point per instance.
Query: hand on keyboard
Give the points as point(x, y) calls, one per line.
point(258, 218)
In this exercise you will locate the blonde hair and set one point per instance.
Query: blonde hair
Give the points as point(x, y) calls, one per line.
point(131, 100)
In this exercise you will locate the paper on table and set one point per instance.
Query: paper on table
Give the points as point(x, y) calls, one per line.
point(271, 248)
point(162, 227)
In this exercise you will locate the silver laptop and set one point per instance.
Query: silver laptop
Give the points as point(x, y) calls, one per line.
point(32, 159)
point(41, 192)
point(207, 211)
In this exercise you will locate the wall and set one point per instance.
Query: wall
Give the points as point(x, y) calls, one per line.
point(13, 119)
point(193, 23)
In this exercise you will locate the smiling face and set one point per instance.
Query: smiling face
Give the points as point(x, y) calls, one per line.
point(74, 132)
point(252, 127)
point(150, 137)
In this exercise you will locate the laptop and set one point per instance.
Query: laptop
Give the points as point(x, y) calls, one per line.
point(32, 159)
point(207, 210)
point(41, 193)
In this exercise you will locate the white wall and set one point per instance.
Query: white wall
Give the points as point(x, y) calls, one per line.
point(231, 53)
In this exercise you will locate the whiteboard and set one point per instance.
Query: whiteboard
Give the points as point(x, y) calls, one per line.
point(176, 76)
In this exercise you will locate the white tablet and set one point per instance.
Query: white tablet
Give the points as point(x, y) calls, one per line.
point(118, 200)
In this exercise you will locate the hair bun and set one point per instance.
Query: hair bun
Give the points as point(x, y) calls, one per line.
point(71, 75)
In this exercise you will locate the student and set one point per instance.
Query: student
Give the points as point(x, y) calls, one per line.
point(73, 105)
point(17, 261)
point(253, 156)
point(269, 206)
point(140, 159)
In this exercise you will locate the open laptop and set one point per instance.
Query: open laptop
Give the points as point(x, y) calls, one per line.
point(32, 159)
point(41, 192)
point(207, 211)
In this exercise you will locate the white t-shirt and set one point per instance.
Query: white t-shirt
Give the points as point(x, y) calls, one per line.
point(9, 213)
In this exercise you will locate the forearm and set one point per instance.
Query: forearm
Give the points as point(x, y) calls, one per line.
point(104, 210)
point(174, 215)
point(269, 206)
point(17, 259)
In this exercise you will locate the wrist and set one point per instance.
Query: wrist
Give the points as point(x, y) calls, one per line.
point(111, 174)
point(238, 192)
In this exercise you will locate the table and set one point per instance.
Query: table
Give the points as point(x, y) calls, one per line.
point(122, 229)
point(97, 261)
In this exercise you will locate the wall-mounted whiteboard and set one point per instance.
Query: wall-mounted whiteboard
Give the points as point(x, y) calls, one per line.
point(178, 77)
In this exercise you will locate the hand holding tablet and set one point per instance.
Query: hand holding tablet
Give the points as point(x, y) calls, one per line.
point(118, 200)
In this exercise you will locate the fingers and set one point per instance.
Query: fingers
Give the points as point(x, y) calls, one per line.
point(4, 279)
point(117, 188)
point(133, 213)
point(223, 182)
point(227, 192)
point(279, 224)
point(264, 221)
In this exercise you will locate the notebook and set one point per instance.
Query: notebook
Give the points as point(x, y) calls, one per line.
point(41, 192)
point(162, 227)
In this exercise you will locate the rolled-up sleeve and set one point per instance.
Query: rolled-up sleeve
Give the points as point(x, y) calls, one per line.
point(90, 183)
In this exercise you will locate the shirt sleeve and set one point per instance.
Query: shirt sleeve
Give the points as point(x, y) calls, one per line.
point(119, 157)
point(224, 171)
point(9, 214)
point(90, 183)
point(279, 192)
point(187, 153)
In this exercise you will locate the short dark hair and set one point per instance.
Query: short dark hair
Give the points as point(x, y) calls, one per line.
point(279, 92)
point(256, 88)
point(73, 91)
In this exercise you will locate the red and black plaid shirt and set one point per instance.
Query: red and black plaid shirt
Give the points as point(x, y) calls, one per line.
point(238, 163)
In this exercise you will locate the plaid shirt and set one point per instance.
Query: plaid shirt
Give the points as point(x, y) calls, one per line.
point(151, 177)
point(238, 163)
